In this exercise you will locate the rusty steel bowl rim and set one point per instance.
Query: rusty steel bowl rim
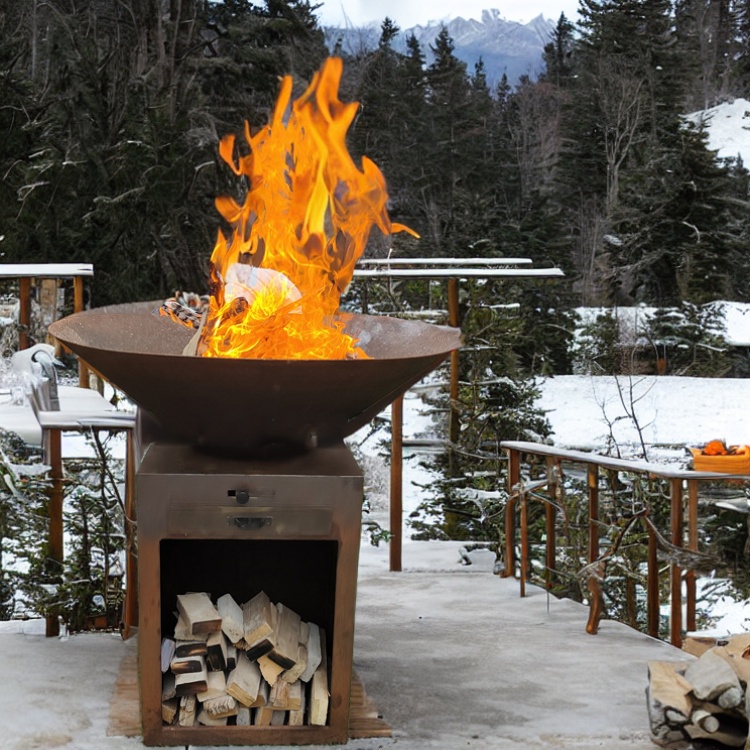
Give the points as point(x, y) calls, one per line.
point(246, 406)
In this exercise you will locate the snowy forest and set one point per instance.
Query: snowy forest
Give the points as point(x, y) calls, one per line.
point(111, 112)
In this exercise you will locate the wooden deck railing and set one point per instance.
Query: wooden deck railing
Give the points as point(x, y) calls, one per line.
point(452, 271)
point(26, 274)
point(682, 533)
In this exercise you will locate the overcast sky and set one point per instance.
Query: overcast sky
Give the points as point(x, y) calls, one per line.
point(407, 13)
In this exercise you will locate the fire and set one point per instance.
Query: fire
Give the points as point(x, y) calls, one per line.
point(305, 221)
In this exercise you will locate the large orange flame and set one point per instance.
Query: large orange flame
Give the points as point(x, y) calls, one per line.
point(306, 219)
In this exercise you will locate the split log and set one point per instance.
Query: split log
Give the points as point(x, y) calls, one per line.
point(278, 718)
point(232, 619)
point(314, 653)
point(318, 710)
point(167, 652)
point(243, 682)
point(697, 645)
point(297, 717)
point(269, 669)
point(209, 721)
point(216, 686)
point(710, 676)
point(231, 656)
point(286, 640)
point(244, 716)
point(216, 651)
point(262, 699)
point(286, 696)
point(190, 683)
point(706, 698)
point(319, 697)
point(294, 674)
point(199, 613)
point(188, 705)
point(191, 647)
point(263, 716)
point(259, 625)
point(187, 664)
point(736, 652)
point(169, 710)
point(167, 686)
point(182, 631)
point(221, 707)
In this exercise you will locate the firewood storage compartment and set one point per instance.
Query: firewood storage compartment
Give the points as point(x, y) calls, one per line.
point(289, 527)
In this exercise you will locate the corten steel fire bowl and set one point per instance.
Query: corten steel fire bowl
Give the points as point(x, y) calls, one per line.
point(253, 406)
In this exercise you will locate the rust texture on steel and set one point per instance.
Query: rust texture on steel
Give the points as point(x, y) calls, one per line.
point(290, 527)
point(252, 406)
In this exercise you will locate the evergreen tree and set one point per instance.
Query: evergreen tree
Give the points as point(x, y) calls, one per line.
point(127, 100)
point(558, 52)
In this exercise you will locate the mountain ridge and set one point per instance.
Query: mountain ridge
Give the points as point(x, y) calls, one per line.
point(509, 47)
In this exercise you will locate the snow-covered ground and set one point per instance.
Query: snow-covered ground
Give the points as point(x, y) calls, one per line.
point(728, 126)
point(586, 412)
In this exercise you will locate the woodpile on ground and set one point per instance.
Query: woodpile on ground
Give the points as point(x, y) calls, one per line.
point(706, 699)
point(256, 663)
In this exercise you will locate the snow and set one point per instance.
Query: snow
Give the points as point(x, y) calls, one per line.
point(728, 127)
point(587, 411)
point(633, 321)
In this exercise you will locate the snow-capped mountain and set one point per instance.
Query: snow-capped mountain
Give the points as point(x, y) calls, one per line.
point(505, 46)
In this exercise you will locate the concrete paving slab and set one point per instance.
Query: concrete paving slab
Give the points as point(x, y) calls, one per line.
point(449, 653)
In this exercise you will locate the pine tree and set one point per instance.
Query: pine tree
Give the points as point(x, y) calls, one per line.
point(558, 52)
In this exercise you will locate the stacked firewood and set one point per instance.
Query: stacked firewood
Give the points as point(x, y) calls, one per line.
point(252, 664)
point(703, 699)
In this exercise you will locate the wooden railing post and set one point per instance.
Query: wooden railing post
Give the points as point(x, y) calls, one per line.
point(455, 321)
point(55, 513)
point(514, 479)
point(692, 545)
point(523, 500)
point(682, 513)
point(130, 607)
point(550, 518)
point(83, 370)
point(652, 586)
point(593, 487)
point(24, 312)
point(675, 577)
point(397, 417)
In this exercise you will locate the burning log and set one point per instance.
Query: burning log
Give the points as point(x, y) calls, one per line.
point(703, 699)
point(259, 664)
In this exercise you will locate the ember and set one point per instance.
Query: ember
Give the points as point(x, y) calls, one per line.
point(305, 221)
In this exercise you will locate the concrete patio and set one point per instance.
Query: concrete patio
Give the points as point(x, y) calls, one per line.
point(449, 653)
